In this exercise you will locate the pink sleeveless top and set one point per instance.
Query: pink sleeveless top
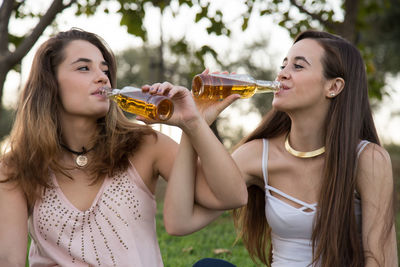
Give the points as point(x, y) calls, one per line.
point(119, 229)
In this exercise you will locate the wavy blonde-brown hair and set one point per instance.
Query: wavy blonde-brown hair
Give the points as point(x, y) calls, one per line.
point(36, 134)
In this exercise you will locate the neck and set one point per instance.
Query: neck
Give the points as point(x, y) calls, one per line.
point(307, 130)
point(78, 133)
point(306, 134)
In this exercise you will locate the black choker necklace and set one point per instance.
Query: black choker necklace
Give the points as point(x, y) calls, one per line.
point(81, 159)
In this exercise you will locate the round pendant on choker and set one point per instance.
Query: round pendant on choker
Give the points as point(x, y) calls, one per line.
point(81, 159)
point(301, 154)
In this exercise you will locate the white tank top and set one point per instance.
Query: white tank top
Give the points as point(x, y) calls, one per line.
point(291, 227)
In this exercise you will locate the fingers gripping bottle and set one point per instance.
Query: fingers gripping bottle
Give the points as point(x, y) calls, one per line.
point(219, 86)
point(133, 100)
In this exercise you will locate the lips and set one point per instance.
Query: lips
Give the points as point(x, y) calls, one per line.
point(99, 91)
point(284, 87)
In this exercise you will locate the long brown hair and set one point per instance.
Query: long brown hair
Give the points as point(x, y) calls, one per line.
point(36, 135)
point(336, 234)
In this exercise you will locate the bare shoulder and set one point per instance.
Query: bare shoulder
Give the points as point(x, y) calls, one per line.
point(156, 143)
point(374, 159)
point(250, 148)
point(374, 169)
point(155, 156)
point(248, 157)
point(10, 192)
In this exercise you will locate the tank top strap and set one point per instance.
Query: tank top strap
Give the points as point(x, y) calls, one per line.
point(361, 146)
point(265, 161)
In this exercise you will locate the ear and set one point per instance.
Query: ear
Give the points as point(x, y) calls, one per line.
point(334, 87)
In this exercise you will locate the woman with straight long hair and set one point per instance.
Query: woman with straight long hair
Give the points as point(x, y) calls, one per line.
point(82, 175)
point(320, 186)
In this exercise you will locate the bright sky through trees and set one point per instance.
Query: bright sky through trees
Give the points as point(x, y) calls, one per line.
point(108, 26)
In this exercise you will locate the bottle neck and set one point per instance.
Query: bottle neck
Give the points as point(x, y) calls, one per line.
point(108, 91)
point(267, 86)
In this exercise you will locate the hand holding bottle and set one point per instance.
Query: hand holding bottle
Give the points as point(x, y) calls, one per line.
point(210, 108)
point(185, 110)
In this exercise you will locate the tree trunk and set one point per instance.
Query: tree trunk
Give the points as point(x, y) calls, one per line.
point(3, 75)
point(9, 59)
point(161, 67)
point(347, 29)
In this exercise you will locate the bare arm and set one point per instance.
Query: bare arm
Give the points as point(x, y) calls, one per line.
point(222, 186)
point(375, 185)
point(13, 225)
point(181, 215)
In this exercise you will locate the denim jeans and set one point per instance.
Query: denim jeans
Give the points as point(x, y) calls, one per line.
point(210, 262)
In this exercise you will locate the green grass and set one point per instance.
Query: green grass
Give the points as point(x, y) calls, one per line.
point(186, 250)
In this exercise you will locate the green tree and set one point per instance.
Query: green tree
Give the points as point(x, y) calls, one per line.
point(371, 25)
point(295, 15)
point(13, 48)
point(6, 120)
point(248, 62)
point(138, 66)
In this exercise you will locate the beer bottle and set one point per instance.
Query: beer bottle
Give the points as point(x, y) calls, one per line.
point(133, 100)
point(219, 86)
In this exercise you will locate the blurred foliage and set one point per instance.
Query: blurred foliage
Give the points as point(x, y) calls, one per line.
point(139, 65)
point(6, 121)
point(394, 151)
point(133, 13)
point(254, 60)
point(249, 62)
point(372, 25)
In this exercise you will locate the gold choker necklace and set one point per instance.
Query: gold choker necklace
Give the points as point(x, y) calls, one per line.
point(300, 154)
point(81, 159)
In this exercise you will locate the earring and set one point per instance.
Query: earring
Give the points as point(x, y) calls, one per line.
point(332, 94)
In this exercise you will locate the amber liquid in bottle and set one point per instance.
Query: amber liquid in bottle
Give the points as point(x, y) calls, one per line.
point(219, 86)
point(133, 100)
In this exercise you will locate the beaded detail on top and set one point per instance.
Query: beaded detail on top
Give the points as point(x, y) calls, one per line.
point(99, 235)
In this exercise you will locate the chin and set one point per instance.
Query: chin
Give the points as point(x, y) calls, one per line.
point(276, 104)
point(100, 113)
point(280, 106)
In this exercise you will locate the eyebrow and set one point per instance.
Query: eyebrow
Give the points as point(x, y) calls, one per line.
point(298, 58)
point(82, 59)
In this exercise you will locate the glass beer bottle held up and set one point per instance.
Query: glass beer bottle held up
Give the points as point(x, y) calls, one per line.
point(133, 100)
point(219, 86)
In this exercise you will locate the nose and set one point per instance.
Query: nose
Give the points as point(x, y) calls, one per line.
point(101, 77)
point(283, 74)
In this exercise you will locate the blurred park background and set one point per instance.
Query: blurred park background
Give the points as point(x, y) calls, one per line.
point(172, 40)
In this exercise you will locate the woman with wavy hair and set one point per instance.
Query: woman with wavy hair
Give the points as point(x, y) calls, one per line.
point(82, 175)
point(320, 186)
